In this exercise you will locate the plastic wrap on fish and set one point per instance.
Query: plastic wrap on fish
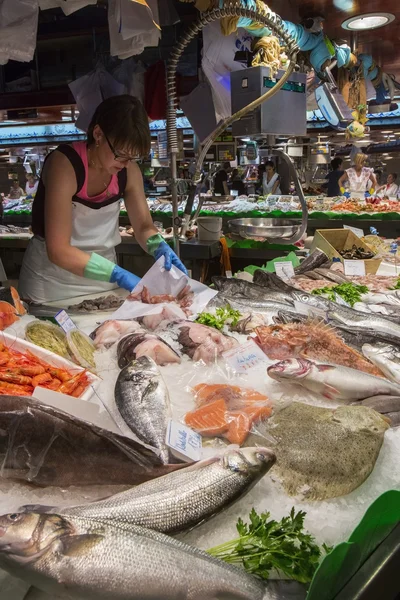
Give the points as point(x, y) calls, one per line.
point(47, 447)
point(227, 411)
point(139, 344)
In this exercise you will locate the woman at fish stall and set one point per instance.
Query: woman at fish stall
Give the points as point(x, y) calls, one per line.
point(271, 182)
point(360, 179)
point(76, 209)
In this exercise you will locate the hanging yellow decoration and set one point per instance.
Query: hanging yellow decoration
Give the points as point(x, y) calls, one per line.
point(268, 53)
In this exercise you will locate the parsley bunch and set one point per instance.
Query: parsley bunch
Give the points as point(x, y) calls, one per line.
point(265, 545)
point(219, 319)
point(350, 292)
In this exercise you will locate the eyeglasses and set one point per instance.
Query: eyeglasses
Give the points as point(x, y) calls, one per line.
point(117, 157)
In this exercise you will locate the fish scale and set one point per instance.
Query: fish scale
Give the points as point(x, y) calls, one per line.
point(97, 560)
point(142, 399)
point(184, 499)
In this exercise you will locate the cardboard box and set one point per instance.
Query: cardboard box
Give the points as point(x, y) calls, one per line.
point(331, 241)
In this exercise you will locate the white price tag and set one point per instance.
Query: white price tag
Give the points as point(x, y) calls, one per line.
point(358, 232)
point(65, 321)
point(245, 357)
point(310, 311)
point(228, 274)
point(354, 267)
point(184, 441)
point(284, 269)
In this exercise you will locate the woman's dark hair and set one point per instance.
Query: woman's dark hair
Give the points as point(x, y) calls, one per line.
point(336, 163)
point(124, 121)
point(269, 163)
point(394, 175)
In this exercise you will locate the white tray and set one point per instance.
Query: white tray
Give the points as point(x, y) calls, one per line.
point(21, 345)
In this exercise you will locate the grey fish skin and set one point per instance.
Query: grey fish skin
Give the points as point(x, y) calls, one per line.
point(88, 559)
point(314, 260)
point(44, 446)
point(271, 281)
point(394, 418)
point(143, 401)
point(331, 275)
point(382, 404)
point(186, 498)
point(239, 288)
point(386, 357)
point(264, 307)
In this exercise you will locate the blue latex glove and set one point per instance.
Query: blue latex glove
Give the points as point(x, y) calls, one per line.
point(346, 195)
point(170, 257)
point(125, 279)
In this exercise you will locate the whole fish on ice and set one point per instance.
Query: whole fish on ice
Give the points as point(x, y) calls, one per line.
point(386, 357)
point(322, 452)
point(143, 401)
point(45, 446)
point(332, 382)
point(186, 498)
point(92, 559)
point(312, 340)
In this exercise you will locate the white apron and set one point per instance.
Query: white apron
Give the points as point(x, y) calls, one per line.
point(268, 185)
point(93, 230)
point(359, 184)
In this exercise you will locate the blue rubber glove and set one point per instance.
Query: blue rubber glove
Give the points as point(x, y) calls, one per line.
point(170, 257)
point(157, 246)
point(346, 195)
point(124, 279)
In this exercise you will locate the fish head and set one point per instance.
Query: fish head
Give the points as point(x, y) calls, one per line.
point(315, 301)
point(292, 368)
point(26, 536)
point(254, 461)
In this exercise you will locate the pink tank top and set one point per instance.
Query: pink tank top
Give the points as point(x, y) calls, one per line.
point(113, 187)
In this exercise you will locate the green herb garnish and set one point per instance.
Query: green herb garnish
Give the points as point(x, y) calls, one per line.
point(265, 545)
point(219, 319)
point(350, 292)
point(397, 286)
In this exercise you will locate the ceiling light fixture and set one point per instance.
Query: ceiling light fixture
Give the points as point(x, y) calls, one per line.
point(368, 21)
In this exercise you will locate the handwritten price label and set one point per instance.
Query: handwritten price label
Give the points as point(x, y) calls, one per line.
point(65, 321)
point(354, 267)
point(284, 269)
point(184, 441)
point(245, 357)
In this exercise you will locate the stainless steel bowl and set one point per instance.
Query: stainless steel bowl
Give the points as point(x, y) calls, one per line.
point(265, 228)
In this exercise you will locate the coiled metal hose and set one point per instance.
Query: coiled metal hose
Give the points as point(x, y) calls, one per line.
point(232, 9)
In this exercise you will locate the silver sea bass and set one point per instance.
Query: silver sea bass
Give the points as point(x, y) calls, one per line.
point(331, 381)
point(185, 498)
point(143, 401)
point(89, 559)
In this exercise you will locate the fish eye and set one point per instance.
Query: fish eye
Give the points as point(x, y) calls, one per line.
point(14, 516)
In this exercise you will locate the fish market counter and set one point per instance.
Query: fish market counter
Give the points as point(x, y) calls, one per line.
point(295, 447)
